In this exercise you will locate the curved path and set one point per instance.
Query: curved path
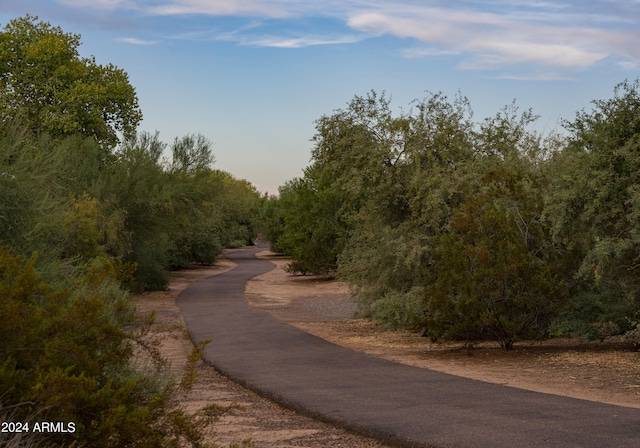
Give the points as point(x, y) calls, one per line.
point(397, 403)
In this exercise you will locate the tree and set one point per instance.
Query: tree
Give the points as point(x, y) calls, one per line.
point(435, 220)
point(37, 180)
point(595, 206)
point(47, 87)
point(408, 192)
point(314, 232)
point(237, 205)
point(495, 273)
point(191, 153)
point(270, 222)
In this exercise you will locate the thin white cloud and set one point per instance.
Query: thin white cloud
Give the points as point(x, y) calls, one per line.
point(215, 34)
point(415, 53)
point(488, 54)
point(247, 35)
point(135, 41)
point(568, 35)
point(295, 42)
point(537, 77)
point(256, 8)
point(104, 5)
point(628, 65)
point(490, 40)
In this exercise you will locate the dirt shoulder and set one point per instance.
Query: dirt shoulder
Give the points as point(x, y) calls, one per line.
point(605, 372)
point(598, 372)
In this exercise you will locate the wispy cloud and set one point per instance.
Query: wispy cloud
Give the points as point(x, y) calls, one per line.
point(135, 41)
point(293, 42)
point(249, 35)
point(567, 36)
point(538, 77)
point(254, 8)
point(628, 65)
point(490, 40)
point(423, 52)
point(104, 5)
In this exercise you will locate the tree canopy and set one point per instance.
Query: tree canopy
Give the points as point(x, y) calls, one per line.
point(91, 210)
point(465, 229)
point(48, 88)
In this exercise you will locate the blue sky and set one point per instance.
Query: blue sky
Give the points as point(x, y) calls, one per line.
point(253, 75)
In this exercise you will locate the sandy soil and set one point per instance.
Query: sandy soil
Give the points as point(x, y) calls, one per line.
point(605, 372)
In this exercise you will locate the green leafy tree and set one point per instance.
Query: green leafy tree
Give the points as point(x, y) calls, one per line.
point(313, 231)
point(137, 203)
point(48, 88)
point(36, 183)
point(496, 273)
point(70, 348)
point(211, 209)
point(163, 215)
point(595, 206)
point(410, 194)
point(192, 225)
point(82, 224)
point(270, 222)
point(239, 204)
point(435, 220)
point(191, 153)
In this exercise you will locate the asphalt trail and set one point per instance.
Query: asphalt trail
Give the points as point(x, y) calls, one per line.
point(394, 402)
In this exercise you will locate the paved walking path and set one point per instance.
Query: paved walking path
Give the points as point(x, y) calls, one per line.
point(395, 402)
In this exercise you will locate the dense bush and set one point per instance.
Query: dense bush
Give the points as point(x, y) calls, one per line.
point(473, 230)
point(594, 205)
point(67, 357)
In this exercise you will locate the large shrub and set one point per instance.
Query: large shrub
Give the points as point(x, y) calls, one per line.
point(67, 356)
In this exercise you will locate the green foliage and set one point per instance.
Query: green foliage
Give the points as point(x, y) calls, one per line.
point(136, 201)
point(165, 215)
point(47, 87)
point(35, 206)
point(59, 199)
point(436, 221)
point(191, 153)
point(239, 204)
point(407, 198)
point(496, 274)
point(270, 222)
point(594, 206)
point(66, 354)
point(82, 224)
point(101, 219)
point(313, 230)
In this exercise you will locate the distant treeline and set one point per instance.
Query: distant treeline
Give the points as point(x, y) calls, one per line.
point(90, 209)
point(473, 230)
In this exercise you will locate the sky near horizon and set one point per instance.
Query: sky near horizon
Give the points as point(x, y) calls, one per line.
point(253, 75)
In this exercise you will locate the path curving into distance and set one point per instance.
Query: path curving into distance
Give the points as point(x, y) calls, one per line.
point(393, 402)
